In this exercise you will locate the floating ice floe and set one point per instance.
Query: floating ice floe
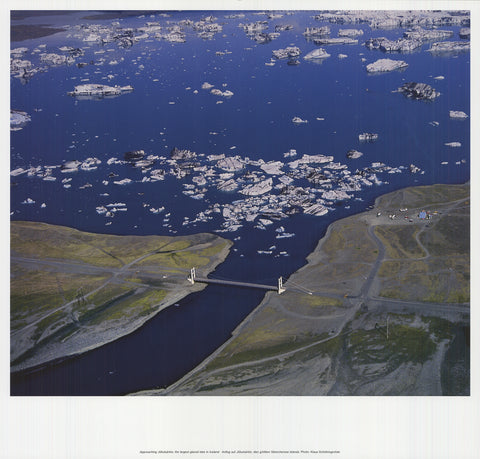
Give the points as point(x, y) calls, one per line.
point(290, 153)
point(258, 188)
point(419, 91)
point(311, 32)
point(335, 41)
point(318, 53)
point(70, 166)
point(18, 171)
point(18, 120)
point(124, 181)
point(386, 65)
point(458, 115)
point(56, 59)
point(354, 154)
point(288, 52)
point(272, 168)
point(298, 120)
point(352, 33)
point(449, 47)
point(99, 90)
point(230, 164)
point(367, 137)
point(218, 92)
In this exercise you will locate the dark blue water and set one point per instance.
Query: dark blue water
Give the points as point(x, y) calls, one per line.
point(257, 121)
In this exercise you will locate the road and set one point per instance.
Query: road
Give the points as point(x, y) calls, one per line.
point(354, 302)
point(84, 268)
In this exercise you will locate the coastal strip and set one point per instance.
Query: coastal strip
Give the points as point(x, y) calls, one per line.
point(72, 291)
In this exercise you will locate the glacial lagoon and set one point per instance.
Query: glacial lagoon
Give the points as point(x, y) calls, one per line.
point(205, 83)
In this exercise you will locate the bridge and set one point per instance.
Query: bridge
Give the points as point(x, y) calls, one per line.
point(192, 278)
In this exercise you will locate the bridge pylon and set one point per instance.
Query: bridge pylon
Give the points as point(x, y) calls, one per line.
point(281, 288)
point(191, 277)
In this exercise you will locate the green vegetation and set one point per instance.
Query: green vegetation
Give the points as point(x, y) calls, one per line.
point(226, 358)
point(404, 344)
point(362, 357)
point(43, 241)
point(443, 329)
point(459, 297)
point(34, 292)
point(58, 319)
point(310, 305)
point(400, 241)
point(130, 304)
point(450, 236)
point(65, 282)
point(424, 196)
point(349, 241)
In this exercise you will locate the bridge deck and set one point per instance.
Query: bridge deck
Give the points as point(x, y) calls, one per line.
point(237, 284)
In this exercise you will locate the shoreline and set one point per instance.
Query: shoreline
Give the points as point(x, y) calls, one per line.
point(27, 369)
point(237, 330)
point(191, 377)
point(84, 334)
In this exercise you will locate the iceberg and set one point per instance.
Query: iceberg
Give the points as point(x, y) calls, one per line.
point(386, 65)
point(18, 120)
point(257, 189)
point(298, 120)
point(420, 91)
point(318, 53)
point(458, 115)
point(99, 90)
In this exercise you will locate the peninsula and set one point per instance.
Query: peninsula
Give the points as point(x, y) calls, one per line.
point(73, 291)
